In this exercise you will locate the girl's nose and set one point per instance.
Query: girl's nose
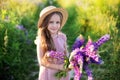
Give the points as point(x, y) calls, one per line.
point(54, 24)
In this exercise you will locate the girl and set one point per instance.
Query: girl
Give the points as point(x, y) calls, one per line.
point(49, 38)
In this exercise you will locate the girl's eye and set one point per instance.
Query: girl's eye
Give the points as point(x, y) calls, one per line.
point(51, 22)
point(57, 22)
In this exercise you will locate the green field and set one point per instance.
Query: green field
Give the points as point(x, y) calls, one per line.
point(18, 30)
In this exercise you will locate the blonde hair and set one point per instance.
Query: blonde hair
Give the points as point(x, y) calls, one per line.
point(45, 36)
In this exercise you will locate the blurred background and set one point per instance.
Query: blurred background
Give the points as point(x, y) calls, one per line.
point(18, 29)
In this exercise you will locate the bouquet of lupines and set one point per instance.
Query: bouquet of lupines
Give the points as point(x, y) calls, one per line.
point(55, 57)
point(58, 58)
point(82, 56)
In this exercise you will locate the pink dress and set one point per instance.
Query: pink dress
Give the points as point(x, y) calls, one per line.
point(47, 73)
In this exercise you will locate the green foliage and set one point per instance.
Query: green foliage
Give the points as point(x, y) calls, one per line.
point(87, 17)
point(70, 28)
point(61, 73)
point(17, 33)
point(95, 18)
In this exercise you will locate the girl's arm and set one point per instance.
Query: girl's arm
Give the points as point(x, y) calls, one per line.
point(43, 62)
point(52, 66)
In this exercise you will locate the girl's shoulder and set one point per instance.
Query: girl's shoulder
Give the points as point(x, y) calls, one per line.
point(62, 35)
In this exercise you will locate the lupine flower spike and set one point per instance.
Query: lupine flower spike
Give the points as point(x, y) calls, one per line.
point(82, 56)
point(78, 42)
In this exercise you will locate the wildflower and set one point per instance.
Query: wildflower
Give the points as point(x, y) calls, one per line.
point(20, 27)
point(82, 56)
point(56, 55)
point(102, 40)
point(78, 42)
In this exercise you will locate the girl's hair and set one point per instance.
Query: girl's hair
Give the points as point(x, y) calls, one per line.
point(45, 36)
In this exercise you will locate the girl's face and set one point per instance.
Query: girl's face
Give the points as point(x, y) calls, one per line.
point(54, 24)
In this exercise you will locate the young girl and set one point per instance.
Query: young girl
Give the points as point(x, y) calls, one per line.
point(49, 38)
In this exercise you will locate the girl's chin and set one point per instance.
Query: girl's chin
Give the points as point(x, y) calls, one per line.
point(53, 32)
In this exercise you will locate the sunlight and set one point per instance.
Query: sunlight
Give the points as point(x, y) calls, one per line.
point(66, 3)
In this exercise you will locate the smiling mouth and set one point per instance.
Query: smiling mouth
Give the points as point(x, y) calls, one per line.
point(53, 29)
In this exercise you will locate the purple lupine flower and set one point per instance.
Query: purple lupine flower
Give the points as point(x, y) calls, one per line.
point(77, 73)
point(101, 41)
point(76, 61)
point(92, 47)
point(56, 55)
point(89, 48)
point(78, 42)
point(89, 72)
point(20, 27)
point(81, 57)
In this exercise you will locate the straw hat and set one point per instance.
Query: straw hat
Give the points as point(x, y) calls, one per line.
point(46, 11)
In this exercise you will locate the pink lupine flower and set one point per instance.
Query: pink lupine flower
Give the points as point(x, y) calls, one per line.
point(56, 56)
point(81, 57)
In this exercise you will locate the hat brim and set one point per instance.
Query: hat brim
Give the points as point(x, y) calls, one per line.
point(61, 10)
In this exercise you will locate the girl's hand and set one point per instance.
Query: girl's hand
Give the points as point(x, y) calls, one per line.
point(68, 69)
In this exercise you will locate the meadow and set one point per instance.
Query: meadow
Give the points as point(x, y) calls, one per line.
point(18, 30)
